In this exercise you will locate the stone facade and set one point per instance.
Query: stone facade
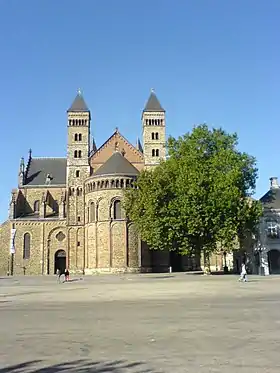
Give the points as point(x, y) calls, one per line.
point(67, 212)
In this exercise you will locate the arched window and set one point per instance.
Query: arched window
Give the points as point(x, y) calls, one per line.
point(153, 152)
point(77, 173)
point(80, 137)
point(117, 211)
point(76, 154)
point(153, 135)
point(76, 137)
point(36, 206)
point(92, 212)
point(26, 246)
point(80, 154)
point(156, 135)
point(157, 153)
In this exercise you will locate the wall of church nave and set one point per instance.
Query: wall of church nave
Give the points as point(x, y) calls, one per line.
point(28, 248)
point(133, 244)
point(118, 252)
point(103, 245)
point(76, 249)
point(5, 234)
point(29, 198)
point(91, 234)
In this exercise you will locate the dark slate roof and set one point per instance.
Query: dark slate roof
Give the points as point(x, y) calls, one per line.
point(153, 103)
point(271, 199)
point(79, 104)
point(117, 164)
point(39, 168)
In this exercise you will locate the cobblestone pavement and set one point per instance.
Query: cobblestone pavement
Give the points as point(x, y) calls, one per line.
point(140, 323)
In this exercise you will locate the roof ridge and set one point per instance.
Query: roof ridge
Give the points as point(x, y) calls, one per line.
point(49, 157)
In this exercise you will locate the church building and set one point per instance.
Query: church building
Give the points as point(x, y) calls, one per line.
point(67, 212)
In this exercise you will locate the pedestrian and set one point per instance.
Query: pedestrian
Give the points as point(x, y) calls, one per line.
point(243, 274)
point(58, 274)
point(66, 275)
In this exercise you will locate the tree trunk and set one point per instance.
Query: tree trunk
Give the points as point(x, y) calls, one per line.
point(207, 270)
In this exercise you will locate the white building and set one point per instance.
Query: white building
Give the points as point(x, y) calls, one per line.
point(268, 246)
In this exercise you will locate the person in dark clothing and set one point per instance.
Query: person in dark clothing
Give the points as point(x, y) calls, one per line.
point(66, 275)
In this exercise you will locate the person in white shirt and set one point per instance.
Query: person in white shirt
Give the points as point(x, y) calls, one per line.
point(243, 274)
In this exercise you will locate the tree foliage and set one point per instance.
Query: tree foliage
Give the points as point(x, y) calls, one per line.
point(198, 197)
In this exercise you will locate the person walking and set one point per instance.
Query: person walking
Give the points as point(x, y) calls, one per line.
point(58, 274)
point(66, 275)
point(243, 274)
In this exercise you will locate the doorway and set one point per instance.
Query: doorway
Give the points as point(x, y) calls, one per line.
point(60, 261)
point(176, 261)
point(274, 261)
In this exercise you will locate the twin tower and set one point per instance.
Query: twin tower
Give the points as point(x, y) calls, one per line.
point(79, 147)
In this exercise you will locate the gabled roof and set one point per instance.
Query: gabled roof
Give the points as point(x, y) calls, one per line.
point(117, 164)
point(39, 168)
point(116, 133)
point(78, 104)
point(271, 199)
point(153, 103)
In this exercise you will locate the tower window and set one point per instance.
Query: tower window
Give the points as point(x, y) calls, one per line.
point(156, 135)
point(153, 135)
point(80, 154)
point(36, 206)
point(78, 218)
point(157, 153)
point(78, 137)
point(153, 152)
point(77, 173)
point(76, 154)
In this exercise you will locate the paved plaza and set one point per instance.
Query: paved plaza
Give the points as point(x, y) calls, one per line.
point(140, 323)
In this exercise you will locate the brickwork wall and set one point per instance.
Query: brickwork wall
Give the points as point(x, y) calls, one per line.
point(26, 198)
point(107, 239)
point(5, 232)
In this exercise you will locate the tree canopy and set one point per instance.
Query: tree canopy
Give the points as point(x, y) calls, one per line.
point(198, 197)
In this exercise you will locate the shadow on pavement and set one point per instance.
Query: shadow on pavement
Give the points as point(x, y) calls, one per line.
point(79, 366)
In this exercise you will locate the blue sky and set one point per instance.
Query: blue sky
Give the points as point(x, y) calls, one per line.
point(212, 61)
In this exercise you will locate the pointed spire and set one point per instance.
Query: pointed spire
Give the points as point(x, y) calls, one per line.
point(79, 103)
point(21, 167)
point(153, 103)
point(139, 145)
point(93, 145)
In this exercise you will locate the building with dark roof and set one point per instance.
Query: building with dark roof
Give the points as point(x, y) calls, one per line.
point(67, 212)
point(269, 233)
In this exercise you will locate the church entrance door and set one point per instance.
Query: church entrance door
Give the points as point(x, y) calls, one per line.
point(274, 261)
point(60, 261)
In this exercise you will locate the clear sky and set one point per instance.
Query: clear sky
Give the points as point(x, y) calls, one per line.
point(212, 61)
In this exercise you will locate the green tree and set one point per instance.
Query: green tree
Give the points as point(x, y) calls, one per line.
point(198, 197)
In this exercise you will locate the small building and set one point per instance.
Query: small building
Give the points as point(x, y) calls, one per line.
point(268, 248)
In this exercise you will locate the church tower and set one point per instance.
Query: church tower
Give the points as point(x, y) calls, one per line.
point(78, 147)
point(153, 126)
